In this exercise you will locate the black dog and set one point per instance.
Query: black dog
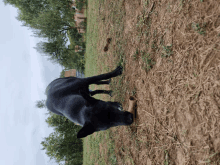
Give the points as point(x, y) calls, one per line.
point(70, 97)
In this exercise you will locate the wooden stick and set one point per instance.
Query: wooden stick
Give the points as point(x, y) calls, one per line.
point(131, 107)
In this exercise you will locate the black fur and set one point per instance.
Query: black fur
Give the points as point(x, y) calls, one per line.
point(70, 97)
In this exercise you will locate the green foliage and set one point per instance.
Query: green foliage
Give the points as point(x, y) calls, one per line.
point(40, 104)
point(29, 6)
point(52, 20)
point(83, 24)
point(62, 145)
point(75, 36)
point(57, 52)
point(50, 24)
point(200, 28)
point(62, 73)
point(80, 4)
point(167, 51)
point(148, 62)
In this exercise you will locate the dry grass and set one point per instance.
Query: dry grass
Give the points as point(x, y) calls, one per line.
point(171, 56)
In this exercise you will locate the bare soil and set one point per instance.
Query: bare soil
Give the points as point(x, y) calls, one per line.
point(172, 67)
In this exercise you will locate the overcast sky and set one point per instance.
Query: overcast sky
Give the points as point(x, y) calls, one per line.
point(24, 77)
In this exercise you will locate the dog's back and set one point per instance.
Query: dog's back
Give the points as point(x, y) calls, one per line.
point(63, 98)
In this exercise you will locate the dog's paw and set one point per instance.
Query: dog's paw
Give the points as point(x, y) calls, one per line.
point(118, 71)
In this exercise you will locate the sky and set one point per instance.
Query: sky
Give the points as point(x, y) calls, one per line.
point(25, 75)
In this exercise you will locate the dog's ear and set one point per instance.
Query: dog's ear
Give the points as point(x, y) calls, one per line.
point(86, 130)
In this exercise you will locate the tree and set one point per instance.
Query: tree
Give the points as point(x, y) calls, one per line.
point(80, 4)
point(28, 9)
point(52, 19)
point(56, 51)
point(28, 5)
point(63, 144)
point(47, 18)
point(41, 104)
point(62, 73)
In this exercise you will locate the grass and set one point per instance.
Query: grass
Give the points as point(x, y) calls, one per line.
point(148, 62)
point(167, 51)
point(200, 28)
point(91, 42)
point(166, 161)
point(93, 145)
point(135, 56)
point(101, 148)
point(93, 154)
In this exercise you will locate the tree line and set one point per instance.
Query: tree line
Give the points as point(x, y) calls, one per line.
point(53, 21)
point(62, 144)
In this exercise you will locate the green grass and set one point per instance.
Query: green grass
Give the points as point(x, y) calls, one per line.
point(91, 144)
point(91, 40)
point(166, 159)
point(91, 148)
point(148, 62)
point(92, 154)
point(200, 28)
point(167, 51)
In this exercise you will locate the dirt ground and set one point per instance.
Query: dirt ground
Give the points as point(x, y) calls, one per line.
point(172, 67)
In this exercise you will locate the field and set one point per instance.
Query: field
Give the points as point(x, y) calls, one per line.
point(170, 51)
